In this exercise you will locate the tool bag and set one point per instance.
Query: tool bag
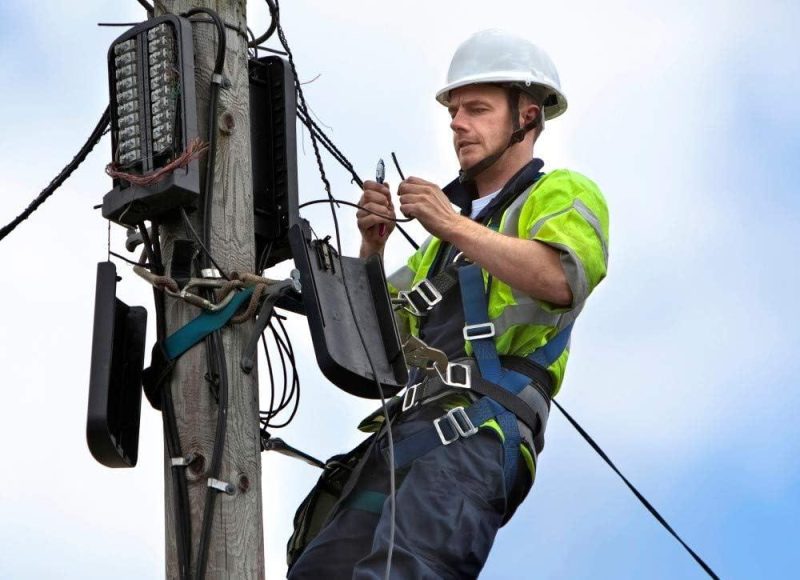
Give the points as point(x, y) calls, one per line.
point(321, 502)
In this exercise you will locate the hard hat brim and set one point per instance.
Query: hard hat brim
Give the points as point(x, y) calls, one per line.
point(550, 111)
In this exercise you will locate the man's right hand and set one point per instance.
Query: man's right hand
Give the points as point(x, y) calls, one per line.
point(376, 198)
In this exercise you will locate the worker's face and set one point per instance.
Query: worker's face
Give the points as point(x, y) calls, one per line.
point(480, 122)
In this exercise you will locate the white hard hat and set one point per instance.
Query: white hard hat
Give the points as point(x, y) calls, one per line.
point(497, 57)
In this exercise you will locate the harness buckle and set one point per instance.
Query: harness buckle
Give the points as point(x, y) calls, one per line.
point(455, 375)
point(478, 331)
point(462, 381)
point(423, 295)
point(460, 423)
point(409, 398)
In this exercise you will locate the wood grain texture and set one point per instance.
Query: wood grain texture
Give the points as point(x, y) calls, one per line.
point(236, 548)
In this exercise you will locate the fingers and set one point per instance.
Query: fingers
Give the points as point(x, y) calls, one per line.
point(382, 188)
point(376, 210)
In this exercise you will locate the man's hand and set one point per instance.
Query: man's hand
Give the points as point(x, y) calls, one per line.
point(428, 203)
point(376, 198)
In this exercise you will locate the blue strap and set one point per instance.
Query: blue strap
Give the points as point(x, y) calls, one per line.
point(425, 440)
point(473, 299)
point(196, 330)
point(550, 353)
point(476, 313)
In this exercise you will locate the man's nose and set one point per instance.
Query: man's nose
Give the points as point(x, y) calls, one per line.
point(457, 123)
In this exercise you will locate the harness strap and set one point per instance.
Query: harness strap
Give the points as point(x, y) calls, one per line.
point(457, 423)
point(480, 334)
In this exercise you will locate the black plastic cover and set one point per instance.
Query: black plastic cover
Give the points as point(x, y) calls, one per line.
point(273, 142)
point(115, 381)
point(340, 353)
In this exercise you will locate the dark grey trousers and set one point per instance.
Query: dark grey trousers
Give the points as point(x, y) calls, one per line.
point(449, 506)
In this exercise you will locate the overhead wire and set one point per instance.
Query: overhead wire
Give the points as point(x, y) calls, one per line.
point(392, 482)
point(273, 12)
point(147, 6)
point(326, 141)
point(635, 491)
point(63, 175)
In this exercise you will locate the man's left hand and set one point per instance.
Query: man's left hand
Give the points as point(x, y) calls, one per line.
point(426, 202)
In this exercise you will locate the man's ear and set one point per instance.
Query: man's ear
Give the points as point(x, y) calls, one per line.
point(529, 113)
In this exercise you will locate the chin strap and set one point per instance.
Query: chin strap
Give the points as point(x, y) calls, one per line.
point(517, 135)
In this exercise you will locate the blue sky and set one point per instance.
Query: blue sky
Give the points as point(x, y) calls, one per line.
point(684, 369)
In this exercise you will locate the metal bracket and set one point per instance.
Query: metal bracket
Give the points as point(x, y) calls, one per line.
point(222, 486)
point(182, 461)
point(295, 278)
point(210, 273)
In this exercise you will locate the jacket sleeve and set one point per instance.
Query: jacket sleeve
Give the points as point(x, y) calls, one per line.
point(566, 211)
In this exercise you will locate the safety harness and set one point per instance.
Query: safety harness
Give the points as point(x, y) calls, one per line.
point(510, 390)
point(507, 394)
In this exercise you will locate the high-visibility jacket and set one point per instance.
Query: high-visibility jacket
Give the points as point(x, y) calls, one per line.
point(564, 210)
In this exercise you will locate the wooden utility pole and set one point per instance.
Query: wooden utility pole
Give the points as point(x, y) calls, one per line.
point(237, 539)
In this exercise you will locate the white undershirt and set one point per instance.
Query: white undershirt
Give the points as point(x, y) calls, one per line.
point(480, 203)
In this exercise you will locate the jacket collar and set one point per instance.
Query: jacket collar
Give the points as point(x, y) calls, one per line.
point(462, 194)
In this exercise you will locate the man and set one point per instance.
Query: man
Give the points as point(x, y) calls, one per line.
point(496, 288)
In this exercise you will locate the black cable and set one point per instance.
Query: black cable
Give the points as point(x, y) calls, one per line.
point(273, 14)
point(271, 376)
point(147, 6)
point(328, 143)
point(59, 179)
point(129, 261)
point(294, 393)
point(219, 64)
point(263, 259)
point(285, 397)
point(221, 39)
point(635, 491)
point(188, 223)
point(392, 482)
point(396, 220)
point(214, 348)
point(284, 401)
point(344, 162)
point(351, 204)
point(183, 526)
point(216, 456)
point(397, 166)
